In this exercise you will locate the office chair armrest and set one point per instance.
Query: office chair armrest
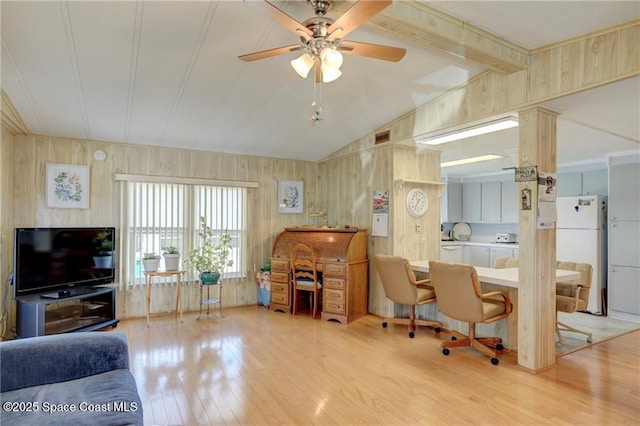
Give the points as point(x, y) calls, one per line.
point(505, 299)
point(423, 283)
point(569, 290)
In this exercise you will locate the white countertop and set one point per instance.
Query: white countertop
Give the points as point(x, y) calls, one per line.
point(478, 243)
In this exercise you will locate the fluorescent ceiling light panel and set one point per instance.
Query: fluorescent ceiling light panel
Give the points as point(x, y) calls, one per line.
point(470, 160)
point(481, 129)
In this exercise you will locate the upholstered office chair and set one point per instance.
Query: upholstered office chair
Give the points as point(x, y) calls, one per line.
point(400, 286)
point(304, 275)
point(571, 296)
point(460, 297)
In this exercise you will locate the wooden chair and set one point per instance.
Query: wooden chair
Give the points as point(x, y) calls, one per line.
point(571, 296)
point(400, 286)
point(304, 275)
point(460, 298)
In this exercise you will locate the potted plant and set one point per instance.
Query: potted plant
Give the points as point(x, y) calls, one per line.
point(171, 258)
point(151, 261)
point(212, 256)
point(103, 255)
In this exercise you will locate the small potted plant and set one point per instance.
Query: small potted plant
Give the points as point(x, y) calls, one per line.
point(151, 261)
point(212, 256)
point(171, 258)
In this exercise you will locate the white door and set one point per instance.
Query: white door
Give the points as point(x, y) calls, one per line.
point(624, 293)
point(624, 245)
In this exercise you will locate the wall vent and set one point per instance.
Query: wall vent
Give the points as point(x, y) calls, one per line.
point(383, 137)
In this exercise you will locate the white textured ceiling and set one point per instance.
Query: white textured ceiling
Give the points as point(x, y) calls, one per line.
point(167, 74)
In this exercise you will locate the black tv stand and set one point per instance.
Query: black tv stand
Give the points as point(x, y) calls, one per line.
point(83, 309)
point(63, 294)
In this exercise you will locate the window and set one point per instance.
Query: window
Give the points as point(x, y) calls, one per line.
point(156, 215)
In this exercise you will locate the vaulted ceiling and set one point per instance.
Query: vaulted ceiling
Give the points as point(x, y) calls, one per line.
point(168, 74)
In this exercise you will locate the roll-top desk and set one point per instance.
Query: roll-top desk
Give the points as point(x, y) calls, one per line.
point(341, 255)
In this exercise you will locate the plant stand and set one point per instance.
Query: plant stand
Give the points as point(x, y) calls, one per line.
point(149, 278)
point(208, 301)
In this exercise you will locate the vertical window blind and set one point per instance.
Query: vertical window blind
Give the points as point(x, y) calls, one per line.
point(156, 215)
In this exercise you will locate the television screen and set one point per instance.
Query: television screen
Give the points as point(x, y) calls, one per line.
point(59, 260)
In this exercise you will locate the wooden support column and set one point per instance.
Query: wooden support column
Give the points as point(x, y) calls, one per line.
point(537, 247)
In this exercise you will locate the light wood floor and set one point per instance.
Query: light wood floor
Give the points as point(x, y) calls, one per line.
point(256, 367)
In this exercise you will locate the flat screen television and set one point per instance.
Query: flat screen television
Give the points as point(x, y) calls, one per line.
point(62, 262)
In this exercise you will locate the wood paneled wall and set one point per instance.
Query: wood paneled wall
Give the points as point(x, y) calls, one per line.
point(341, 184)
point(6, 234)
point(24, 160)
point(365, 168)
point(356, 176)
point(557, 70)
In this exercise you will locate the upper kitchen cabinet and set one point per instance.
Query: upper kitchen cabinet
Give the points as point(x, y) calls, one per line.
point(491, 194)
point(490, 202)
point(472, 202)
point(593, 182)
point(451, 202)
point(509, 202)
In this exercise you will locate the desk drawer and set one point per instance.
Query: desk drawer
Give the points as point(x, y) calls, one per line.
point(334, 269)
point(337, 283)
point(279, 288)
point(279, 298)
point(280, 277)
point(333, 301)
point(279, 265)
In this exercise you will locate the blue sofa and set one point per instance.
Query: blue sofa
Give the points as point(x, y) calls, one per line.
point(68, 379)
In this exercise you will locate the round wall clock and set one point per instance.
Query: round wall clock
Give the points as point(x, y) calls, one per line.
point(417, 202)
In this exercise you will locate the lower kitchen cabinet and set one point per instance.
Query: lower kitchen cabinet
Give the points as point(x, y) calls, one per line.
point(497, 252)
point(476, 255)
point(451, 254)
point(486, 255)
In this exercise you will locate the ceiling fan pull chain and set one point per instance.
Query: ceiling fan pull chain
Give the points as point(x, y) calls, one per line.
point(317, 103)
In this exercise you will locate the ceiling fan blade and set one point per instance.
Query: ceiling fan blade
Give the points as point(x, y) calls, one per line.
point(358, 14)
point(269, 53)
point(376, 51)
point(287, 21)
point(318, 70)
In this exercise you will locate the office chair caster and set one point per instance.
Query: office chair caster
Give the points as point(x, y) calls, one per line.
point(454, 338)
point(437, 329)
point(499, 346)
point(384, 324)
point(445, 351)
point(494, 361)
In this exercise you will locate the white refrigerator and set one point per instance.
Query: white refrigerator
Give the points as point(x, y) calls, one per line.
point(581, 237)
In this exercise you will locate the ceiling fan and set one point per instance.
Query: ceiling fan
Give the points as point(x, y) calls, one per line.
point(321, 39)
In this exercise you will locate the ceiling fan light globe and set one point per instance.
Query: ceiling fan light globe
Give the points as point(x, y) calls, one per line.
point(302, 65)
point(330, 74)
point(331, 57)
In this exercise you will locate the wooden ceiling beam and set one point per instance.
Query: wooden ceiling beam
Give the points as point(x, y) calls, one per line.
point(436, 30)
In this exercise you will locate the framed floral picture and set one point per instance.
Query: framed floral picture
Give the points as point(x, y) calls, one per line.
point(67, 186)
point(290, 196)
